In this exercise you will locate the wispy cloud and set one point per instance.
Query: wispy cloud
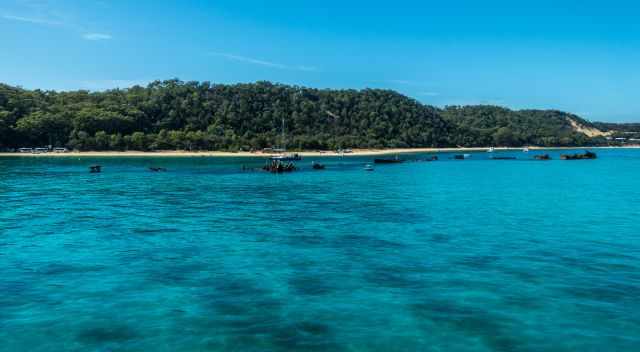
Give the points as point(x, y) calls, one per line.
point(429, 94)
point(43, 13)
point(96, 36)
point(264, 63)
point(33, 20)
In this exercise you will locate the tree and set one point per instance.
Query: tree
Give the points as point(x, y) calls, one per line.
point(116, 142)
point(138, 141)
point(504, 136)
point(102, 140)
point(43, 128)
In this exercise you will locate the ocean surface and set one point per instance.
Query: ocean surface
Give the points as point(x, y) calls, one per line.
point(473, 255)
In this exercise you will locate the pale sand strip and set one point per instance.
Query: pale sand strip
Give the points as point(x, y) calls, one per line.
point(356, 152)
point(172, 153)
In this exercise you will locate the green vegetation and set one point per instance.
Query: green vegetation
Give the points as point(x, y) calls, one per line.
point(202, 116)
point(493, 125)
point(628, 131)
point(618, 127)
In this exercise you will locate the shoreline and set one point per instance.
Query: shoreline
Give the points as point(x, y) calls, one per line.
point(355, 153)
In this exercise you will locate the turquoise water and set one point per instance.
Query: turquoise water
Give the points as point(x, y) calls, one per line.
point(474, 255)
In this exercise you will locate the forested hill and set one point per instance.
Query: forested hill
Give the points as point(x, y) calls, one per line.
point(486, 125)
point(202, 116)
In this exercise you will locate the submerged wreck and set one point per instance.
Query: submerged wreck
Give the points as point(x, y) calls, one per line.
point(431, 158)
point(587, 155)
point(395, 160)
point(461, 156)
point(278, 166)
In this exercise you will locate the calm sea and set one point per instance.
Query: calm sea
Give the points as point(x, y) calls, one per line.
point(473, 255)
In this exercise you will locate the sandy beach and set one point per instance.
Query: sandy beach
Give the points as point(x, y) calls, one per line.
point(355, 152)
point(174, 153)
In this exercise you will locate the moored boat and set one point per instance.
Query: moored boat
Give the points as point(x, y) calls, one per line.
point(287, 157)
point(282, 150)
point(368, 167)
point(95, 169)
point(317, 166)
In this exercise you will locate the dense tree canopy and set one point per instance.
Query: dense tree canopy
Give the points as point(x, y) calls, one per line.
point(203, 116)
point(492, 125)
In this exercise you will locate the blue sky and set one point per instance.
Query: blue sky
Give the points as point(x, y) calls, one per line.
point(577, 56)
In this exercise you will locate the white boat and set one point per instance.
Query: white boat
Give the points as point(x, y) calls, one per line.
point(525, 150)
point(287, 157)
point(368, 167)
point(491, 150)
point(283, 155)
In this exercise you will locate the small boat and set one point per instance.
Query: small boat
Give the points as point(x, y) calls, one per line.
point(368, 167)
point(95, 169)
point(587, 155)
point(525, 150)
point(395, 160)
point(491, 150)
point(157, 169)
point(317, 166)
point(503, 158)
point(542, 157)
